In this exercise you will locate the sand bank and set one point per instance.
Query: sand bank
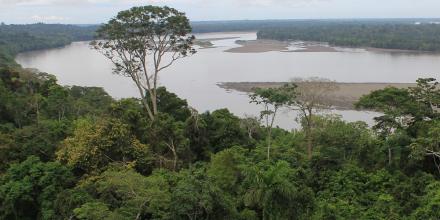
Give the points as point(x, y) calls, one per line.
point(343, 98)
point(261, 46)
point(258, 46)
point(206, 43)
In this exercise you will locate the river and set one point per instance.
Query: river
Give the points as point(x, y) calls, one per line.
point(195, 78)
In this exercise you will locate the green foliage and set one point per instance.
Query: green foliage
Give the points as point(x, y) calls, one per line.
point(370, 33)
point(408, 114)
point(118, 194)
point(136, 42)
point(28, 189)
point(226, 168)
point(223, 130)
point(169, 145)
point(96, 144)
point(21, 38)
point(430, 207)
point(90, 100)
point(272, 99)
point(168, 102)
point(428, 143)
point(342, 141)
point(194, 197)
point(276, 191)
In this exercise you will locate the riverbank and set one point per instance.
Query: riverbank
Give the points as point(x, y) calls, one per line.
point(258, 46)
point(261, 46)
point(343, 98)
point(206, 43)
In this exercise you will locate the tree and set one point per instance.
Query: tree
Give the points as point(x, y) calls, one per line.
point(405, 110)
point(94, 145)
point(197, 133)
point(196, 197)
point(41, 140)
point(272, 100)
point(166, 136)
point(131, 112)
point(28, 189)
point(428, 144)
point(226, 168)
point(427, 95)
point(274, 193)
point(122, 193)
point(223, 130)
point(251, 124)
point(309, 97)
point(90, 100)
point(58, 102)
point(143, 41)
point(430, 207)
point(342, 141)
point(396, 104)
point(170, 103)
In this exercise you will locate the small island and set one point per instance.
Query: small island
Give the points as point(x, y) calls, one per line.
point(343, 98)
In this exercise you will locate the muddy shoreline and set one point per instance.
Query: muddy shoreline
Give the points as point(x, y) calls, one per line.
point(206, 43)
point(262, 46)
point(342, 99)
point(258, 46)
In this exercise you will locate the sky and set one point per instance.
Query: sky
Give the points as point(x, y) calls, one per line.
point(100, 11)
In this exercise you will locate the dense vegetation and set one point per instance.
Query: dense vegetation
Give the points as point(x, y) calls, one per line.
point(389, 35)
point(77, 153)
point(406, 34)
point(19, 38)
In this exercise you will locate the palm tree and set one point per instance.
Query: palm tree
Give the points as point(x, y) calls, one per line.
point(269, 189)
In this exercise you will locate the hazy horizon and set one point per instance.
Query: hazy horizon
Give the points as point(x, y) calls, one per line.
point(436, 19)
point(99, 11)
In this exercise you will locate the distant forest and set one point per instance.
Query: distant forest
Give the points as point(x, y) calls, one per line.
point(420, 36)
point(407, 34)
point(20, 38)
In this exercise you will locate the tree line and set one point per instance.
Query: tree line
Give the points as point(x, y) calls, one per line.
point(403, 36)
point(21, 38)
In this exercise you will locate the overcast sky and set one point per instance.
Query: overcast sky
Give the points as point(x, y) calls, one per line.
point(99, 11)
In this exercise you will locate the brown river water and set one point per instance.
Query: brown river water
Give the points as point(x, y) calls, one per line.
point(195, 78)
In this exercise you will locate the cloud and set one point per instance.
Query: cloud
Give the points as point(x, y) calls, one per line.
point(200, 2)
point(48, 18)
point(279, 2)
point(61, 2)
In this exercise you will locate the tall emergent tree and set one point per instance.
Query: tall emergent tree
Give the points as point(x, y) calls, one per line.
point(143, 41)
point(414, 111)
point(309, 97)
point(272, 100)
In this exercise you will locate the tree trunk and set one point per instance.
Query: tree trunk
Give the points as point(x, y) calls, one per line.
point(173, 150)
point(38, 113)
point(175, 160)
point(147, 107)
point(389, 156)
point(309, 144)
point(154, 101)
point(269, 139)
point(309, 135)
